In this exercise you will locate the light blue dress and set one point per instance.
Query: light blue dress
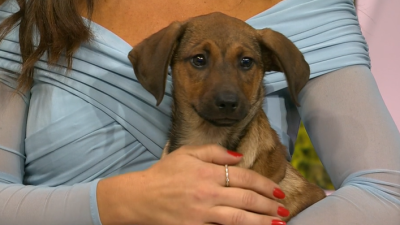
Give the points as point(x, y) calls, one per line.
point(97, 121)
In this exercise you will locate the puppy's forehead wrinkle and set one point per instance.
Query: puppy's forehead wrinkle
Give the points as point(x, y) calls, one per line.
point(220, 36)
point(223, 46)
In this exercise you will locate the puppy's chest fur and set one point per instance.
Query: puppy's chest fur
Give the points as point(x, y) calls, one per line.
point(253, 137)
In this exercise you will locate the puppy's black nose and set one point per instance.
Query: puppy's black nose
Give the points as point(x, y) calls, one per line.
point(227, 101)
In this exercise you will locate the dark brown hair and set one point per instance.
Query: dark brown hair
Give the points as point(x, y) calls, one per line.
point(60, 30)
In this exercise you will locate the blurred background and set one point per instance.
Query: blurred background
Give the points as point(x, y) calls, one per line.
point(306, 161)
point(379, 21)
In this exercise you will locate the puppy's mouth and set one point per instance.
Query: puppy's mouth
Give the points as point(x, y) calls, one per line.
point(222, 121)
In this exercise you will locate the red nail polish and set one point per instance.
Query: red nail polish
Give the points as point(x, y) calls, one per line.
point(283, 212)
point(278, 193)
point(278, 222)
point(236, 154)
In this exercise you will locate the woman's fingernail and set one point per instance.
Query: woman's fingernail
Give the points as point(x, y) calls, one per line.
point(278, 193)
point(283, 212)
point(278, 222)
point(236, 154)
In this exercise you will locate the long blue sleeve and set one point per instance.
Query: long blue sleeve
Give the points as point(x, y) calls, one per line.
point(28, 204)
point(359, 145)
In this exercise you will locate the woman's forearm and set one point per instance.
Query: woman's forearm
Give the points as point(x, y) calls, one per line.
point(359, 145)
point(39, 205)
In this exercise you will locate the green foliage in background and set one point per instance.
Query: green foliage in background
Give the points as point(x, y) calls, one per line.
point(306, 160)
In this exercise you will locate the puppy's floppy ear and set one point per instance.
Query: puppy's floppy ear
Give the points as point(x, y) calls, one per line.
point(280, 54)
point(151, 58)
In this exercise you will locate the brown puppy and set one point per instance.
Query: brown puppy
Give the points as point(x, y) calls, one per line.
point(218, 64)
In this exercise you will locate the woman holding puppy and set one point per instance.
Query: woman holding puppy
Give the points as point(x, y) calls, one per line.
point(80, 140)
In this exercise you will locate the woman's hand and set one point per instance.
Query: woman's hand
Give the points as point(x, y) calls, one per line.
point(188, 187)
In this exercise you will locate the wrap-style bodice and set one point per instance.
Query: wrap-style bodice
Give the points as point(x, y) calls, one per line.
point(96, 120)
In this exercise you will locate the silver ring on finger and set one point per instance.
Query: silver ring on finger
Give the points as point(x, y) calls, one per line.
point(226, 176)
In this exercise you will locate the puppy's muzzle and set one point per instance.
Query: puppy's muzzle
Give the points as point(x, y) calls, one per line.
point(224, 108)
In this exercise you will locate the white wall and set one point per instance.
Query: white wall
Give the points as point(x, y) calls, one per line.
point(380, 24)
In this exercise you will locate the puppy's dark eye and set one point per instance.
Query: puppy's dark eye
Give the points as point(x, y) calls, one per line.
point(199, 60)
point(246, 63)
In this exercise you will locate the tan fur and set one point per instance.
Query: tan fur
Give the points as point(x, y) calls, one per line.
point(240, 124)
